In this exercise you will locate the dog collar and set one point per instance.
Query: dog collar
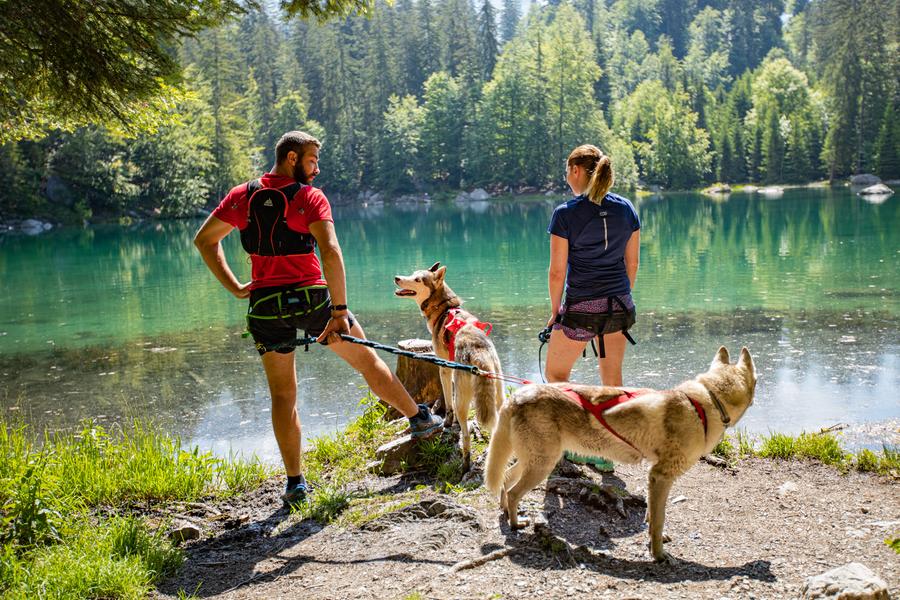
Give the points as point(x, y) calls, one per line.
point(722, 412)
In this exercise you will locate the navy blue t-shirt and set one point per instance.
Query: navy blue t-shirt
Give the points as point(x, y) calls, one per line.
point(597, 238)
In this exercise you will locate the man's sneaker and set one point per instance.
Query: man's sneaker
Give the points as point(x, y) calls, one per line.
point(425, 423)
point(601, 464)
point(296, 495)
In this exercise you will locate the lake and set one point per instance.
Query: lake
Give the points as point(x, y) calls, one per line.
point(118, 323)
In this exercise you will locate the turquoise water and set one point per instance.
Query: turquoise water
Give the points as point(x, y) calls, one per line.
point(115, 323)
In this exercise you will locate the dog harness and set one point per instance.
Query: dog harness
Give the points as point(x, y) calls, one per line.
point(598, 409)
point(267, 232)
point(454, 322)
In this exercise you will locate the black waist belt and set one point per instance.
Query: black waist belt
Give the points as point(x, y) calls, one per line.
point(603, 323)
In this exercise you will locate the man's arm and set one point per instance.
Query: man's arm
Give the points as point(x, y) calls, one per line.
point(208, 241)
point(333, 271)
point(633, 256)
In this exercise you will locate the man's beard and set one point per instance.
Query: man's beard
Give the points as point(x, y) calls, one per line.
point(300, 175)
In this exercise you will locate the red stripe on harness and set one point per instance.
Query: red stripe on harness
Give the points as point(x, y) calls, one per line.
point(598, 409)
point(454, 323)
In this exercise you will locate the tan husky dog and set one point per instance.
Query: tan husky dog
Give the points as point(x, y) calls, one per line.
point(470, 345)
point(670, 429)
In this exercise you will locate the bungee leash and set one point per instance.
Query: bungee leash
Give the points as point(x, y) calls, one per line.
point(449, 364)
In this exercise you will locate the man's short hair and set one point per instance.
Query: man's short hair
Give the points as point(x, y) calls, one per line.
point(294, 141)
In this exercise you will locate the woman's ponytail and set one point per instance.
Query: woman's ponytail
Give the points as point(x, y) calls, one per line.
point(601, 180)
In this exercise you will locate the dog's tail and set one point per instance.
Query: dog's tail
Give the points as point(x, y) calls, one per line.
point(499, 452)
point(488, 398)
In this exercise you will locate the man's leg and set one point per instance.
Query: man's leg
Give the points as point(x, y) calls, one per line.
point(380, 378)
point(282, 376)
point(611, 366)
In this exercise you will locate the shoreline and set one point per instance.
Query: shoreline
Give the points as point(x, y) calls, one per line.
point(19, 224)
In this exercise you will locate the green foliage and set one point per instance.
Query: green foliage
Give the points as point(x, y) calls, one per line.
point(823, 447)
point(78, 62)
point(61, 533)
point(420, 95)
point(893, 544)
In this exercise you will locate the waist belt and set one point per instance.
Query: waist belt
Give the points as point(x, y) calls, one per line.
point(288, 303)
point(602, 323)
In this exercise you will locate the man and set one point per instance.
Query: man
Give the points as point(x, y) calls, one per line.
point(282, 218)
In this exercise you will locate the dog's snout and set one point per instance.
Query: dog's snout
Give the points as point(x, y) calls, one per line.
point(397, 279)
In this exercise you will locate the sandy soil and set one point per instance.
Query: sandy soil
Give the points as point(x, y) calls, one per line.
point(735, 535)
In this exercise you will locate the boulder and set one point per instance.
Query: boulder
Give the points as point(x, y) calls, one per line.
point(772, 190)
point(853, 581)
point(393, 455)
point(32, 226)
point(462, 197)
point(479, 194)
point(865, 179)
point(876, 190)
point(722, 188)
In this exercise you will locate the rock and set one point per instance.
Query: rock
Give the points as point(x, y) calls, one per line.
point(462, 197)
point(771, 191)
point(786, 488)
point(723, 188)
point(393, 454)
point(479, 194)
point(851, 581)
point(420, 378)
point(182, 531)
point(865, 179)
point(876, 190)
point(31, 227)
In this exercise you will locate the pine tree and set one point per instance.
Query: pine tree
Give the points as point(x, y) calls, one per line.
point(488, 46)
point(887, 147)
point(509, 19)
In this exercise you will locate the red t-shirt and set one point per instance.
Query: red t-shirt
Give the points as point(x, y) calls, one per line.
point(308, 205)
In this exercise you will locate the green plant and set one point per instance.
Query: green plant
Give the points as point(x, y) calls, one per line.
point(893, 544)
point(326, 503)
point(867, 461)
point(724, 448)
point(29, 518)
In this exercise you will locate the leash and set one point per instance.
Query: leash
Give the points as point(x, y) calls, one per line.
point(449, 364)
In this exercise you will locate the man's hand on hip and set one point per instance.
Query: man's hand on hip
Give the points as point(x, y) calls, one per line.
point(242, 291)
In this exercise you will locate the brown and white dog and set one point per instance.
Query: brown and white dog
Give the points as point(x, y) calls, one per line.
point(670, 429)
point(458, 336)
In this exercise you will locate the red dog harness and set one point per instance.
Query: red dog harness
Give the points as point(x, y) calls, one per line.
point(454, 323)
point(598, 409)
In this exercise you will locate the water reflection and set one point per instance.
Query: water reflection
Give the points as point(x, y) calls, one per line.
point(115, 323)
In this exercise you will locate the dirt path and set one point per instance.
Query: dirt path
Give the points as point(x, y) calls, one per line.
point(734, 535)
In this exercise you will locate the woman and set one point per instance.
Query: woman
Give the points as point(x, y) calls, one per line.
point(594, 254)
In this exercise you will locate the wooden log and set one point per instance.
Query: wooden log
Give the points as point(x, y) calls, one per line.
point(420, 378)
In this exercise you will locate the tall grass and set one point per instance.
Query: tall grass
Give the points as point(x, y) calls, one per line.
point(65, 531)
point(823, 446)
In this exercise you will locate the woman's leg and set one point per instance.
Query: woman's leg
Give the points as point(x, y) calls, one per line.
point(611, 366)
point(561, 355)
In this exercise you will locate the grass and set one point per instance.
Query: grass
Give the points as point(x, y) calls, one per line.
point(822, 446)
point(66, 528)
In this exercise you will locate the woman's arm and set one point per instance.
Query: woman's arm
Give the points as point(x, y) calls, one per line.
point(556, 279)
point(633, 256)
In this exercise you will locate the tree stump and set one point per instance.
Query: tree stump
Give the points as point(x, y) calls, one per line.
point(420, 378)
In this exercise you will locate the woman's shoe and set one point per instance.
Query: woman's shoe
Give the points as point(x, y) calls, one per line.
point(599, 463)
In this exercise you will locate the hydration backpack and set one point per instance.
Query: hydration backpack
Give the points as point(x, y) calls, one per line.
point(267, 232)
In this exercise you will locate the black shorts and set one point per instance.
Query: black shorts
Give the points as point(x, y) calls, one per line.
point(277, 313)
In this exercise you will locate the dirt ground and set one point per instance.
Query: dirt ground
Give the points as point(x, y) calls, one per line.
point(736, 533)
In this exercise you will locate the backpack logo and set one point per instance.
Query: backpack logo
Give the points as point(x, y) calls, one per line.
point(268, 202)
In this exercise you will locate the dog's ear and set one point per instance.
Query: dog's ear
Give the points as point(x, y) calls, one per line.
point(439, 274)
point(434, 267)
point(746, 361)
point(722, 356)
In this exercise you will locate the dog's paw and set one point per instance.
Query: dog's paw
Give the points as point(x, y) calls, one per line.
point(520, 522)
point(665, 558)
